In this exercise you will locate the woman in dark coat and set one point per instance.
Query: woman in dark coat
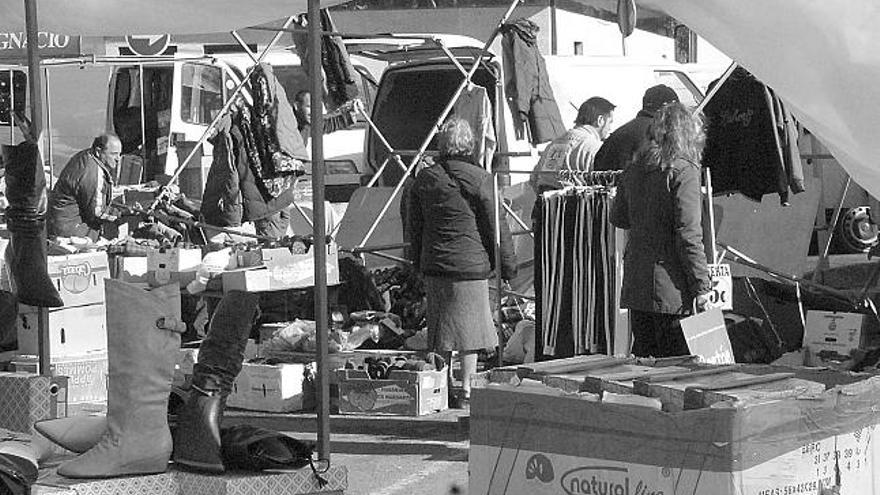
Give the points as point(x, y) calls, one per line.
point(658, 201)
point(451, 230)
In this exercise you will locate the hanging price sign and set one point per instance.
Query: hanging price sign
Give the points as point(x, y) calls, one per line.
point(722, 286)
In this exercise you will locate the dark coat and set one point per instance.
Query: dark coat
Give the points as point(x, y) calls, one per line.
point(665, 262)
point(232, 195)
point(81, 195)
point(527, 84)
point(619, 149)
point(451, 223)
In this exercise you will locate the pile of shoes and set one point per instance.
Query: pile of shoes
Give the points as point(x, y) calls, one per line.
point(382, 368)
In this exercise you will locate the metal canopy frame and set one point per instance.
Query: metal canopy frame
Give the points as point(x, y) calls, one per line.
point(318, 169)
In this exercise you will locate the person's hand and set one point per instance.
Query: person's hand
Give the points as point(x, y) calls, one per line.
point(357, 105)
point(703, 303)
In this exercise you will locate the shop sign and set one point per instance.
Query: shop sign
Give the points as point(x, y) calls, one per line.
point(148, 46)
point(722, 286)
point(13, 45)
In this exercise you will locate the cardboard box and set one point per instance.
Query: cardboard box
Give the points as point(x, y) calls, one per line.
point(406, 393)
point(527, 442)
point(79, 278)
point(189, 356)
point(834, 332)
point(86, 375)
point(28, 397)
point(131, 268)
point(73, 331)
point(174, 259)
point(272, 388)
point(283, 270)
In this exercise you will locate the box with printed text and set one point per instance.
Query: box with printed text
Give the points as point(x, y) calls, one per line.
point(404, 393)
point(79, 278)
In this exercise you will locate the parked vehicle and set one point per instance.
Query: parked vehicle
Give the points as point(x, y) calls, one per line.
point(420, 80)
point(161, 106)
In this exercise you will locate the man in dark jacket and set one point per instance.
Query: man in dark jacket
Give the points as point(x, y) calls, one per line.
point(80, 201)
point(618, 150)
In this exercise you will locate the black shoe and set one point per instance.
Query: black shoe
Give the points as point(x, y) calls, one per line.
point(459, 401)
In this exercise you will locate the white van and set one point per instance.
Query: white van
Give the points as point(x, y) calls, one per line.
point(176, 98)
point(181, 97)
point(420, 80)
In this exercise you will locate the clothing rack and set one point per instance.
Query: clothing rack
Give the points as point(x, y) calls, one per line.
point(602, 178)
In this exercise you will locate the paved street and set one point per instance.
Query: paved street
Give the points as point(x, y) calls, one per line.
point(386, 455)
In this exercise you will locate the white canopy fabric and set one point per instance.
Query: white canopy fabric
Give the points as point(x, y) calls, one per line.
point(821, 57)
point(124, 17)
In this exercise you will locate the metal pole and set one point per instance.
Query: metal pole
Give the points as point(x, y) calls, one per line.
point(143, 122)
point(34, 86)
point(716, 87)
point(319, 248)
point(11, 106)
point(209, 130)
point(711, 205)
point(496, 207)
point(49, 130)
point(439, 120)
point(834, 220)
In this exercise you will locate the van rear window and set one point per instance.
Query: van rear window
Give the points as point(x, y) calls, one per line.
point(408, 103)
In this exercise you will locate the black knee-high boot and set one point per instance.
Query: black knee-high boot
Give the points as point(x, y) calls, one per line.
point(26, 220)
point(197, 437)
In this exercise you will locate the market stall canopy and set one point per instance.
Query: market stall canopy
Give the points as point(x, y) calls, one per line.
point(820, 57)
point(123, 17)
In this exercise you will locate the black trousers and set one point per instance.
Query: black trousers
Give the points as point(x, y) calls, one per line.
point(657, 335)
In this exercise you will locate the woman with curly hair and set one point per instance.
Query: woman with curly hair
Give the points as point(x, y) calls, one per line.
point(658, 202)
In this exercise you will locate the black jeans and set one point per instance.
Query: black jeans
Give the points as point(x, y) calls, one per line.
point(657, 335)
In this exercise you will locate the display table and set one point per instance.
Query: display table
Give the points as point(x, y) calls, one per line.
point(176, 482)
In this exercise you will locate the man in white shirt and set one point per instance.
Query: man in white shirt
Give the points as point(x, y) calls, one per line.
point(576, 149)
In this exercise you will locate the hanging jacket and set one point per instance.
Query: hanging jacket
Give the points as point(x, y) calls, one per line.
point(665, 262)
point(339, 72)
point(451, 223)
point(233, 193)
point(741, 140)
point(279, 147)
point(527, 85)
point(81, 195)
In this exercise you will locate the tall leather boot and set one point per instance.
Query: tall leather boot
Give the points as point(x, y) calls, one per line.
point(26, 220)
point(197, 436)
point(143, 339)
point(18, 463)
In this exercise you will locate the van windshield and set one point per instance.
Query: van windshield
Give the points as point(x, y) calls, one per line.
point(408, 104)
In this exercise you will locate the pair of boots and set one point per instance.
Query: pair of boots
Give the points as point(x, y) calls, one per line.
point(134, 437)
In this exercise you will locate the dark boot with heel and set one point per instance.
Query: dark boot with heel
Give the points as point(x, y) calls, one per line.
point(197, 443)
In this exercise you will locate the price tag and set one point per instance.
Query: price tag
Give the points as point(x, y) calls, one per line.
point(722, 286)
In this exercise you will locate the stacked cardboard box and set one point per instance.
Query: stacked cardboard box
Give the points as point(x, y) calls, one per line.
point(77, 332)
point(744, 430)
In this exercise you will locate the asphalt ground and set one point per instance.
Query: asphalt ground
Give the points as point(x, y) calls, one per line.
point(385, 455)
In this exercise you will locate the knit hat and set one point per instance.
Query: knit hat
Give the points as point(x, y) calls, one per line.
point(657, 96)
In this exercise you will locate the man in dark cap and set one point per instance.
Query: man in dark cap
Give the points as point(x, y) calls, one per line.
point(617, 151)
